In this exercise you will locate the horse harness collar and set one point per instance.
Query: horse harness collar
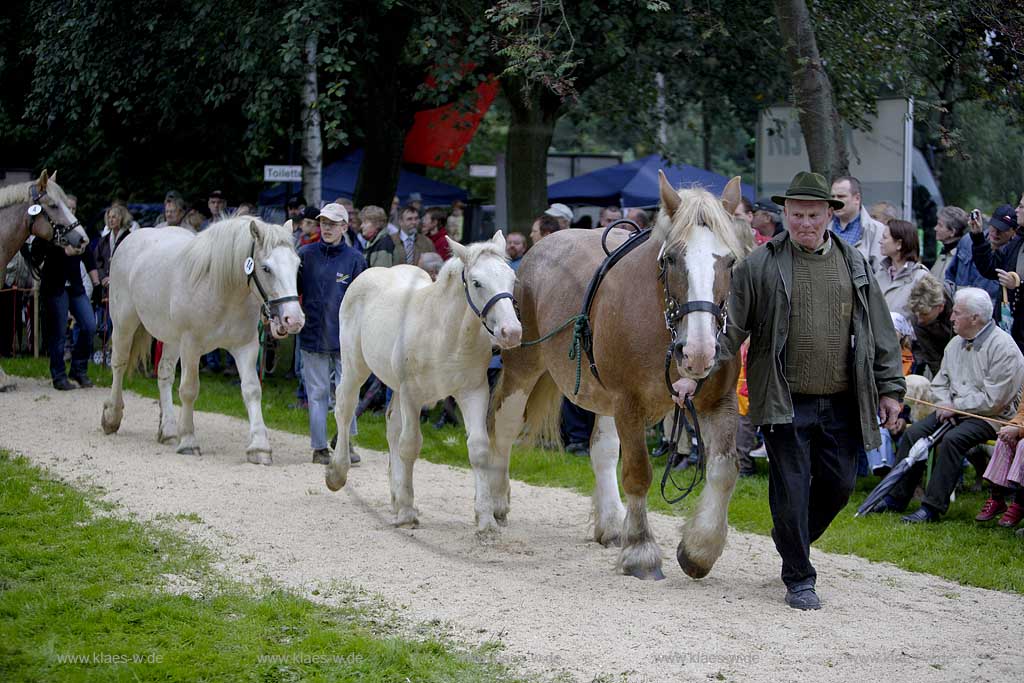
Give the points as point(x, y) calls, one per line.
point(60, 231)
point(674, 311)
point(251, 277)
point(482, 312)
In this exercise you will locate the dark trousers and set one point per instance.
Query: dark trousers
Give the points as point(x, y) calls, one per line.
point(812, 469)
point(56, 320)
point(577, 423)
point(947, 459)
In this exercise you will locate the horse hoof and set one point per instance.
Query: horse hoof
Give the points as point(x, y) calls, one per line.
point(334, 480)
point(164, 437)
point(407, 519)
point(608, 539)
point(692, 569)
point(259, 457)
point(502, 520)
point(654, 574)
point(110, 424)
point(10, 386)
point(189, 450)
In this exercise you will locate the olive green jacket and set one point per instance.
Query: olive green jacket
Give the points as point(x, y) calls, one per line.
point(759, 307)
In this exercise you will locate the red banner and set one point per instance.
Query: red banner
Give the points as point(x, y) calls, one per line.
point(439, 136)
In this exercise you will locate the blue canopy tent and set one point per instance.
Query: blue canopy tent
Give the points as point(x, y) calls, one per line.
point(339, 180)
point(635, 183)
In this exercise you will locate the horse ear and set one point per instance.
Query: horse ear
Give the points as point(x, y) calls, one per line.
point(499, 239)
point(254, 230)
point(288, 226)
point(731, 195)
point(669, 197)
point(43, 179)
point(53, 177)
point(457, 249)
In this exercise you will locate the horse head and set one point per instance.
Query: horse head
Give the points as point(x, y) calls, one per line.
point(274, 272)
point(489, 282)
point(700, 243)
point(49, 216)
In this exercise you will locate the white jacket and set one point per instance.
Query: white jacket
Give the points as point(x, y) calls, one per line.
point(985, 379)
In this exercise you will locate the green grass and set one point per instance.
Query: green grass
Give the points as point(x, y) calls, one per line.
point(957, 548)
point(85, 596)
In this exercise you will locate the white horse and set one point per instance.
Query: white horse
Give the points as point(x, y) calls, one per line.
point(197, 293)
point(427, 341)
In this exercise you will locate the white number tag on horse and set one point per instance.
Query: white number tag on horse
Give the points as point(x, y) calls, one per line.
point(250, 265)
point(35, 210)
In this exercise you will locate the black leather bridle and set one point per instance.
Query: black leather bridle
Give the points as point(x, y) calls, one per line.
point(482, 312)
point(269, 304)
point(60, 230)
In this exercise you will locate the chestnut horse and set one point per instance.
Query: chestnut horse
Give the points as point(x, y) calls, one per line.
point(688, 259)
point(38, 208)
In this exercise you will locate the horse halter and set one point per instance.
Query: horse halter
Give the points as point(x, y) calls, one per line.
point(268, 304)
point(482, 312)
point(675, 312)
point(60, 231)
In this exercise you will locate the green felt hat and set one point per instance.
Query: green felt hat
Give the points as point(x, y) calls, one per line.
point(810, 187)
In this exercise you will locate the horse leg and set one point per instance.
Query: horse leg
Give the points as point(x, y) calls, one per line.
point(346, 397)
point(640, 555)
point(609, 513)
point(474, 411)
point(393, 417)
point(508, 412)
point(168, 428)
point(704, 533)
point(258, 452)
point(188, 390)
point(6, 384)
point(409, 443)
point(120, 351)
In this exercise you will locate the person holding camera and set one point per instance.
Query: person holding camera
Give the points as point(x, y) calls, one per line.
point(1000, 258)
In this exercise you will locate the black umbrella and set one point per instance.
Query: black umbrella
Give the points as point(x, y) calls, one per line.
point(918, 452)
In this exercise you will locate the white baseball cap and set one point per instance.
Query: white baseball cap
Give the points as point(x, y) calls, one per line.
point(334, 212)
point(560, 211)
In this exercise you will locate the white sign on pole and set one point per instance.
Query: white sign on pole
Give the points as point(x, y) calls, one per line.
point(483, 171)
point(282, 174)
point(880, 157)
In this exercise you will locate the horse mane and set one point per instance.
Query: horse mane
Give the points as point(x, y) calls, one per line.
point(15, 194)
point(21, 192)
point(219, 252)
point(454, 266)
point(700, 207)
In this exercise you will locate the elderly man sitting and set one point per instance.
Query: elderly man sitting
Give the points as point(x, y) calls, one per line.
point(981, 373)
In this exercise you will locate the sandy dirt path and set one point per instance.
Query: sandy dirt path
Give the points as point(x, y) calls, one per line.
point(547, 593)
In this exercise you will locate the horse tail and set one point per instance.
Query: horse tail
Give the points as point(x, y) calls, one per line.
point(138, 355)
point(544, 412)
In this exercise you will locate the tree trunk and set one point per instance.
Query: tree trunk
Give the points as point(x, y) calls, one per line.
point(706, 128)
point(823, 131)
point(534, 113)
point(312, 143)
point(390, 112)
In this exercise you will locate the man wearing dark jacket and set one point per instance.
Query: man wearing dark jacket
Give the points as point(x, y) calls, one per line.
point(996, 257)
point(62, 291)
point(327, 269)
point(823, 366)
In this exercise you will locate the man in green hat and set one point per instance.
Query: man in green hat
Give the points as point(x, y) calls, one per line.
point(823, 368)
